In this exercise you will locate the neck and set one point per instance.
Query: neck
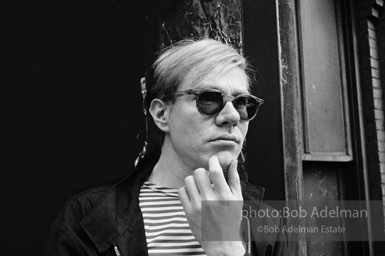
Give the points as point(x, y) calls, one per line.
point(169, 171)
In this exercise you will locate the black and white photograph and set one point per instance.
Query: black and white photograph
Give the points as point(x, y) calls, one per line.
point(192, 127)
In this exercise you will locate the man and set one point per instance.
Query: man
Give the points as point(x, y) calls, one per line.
point(201, 103)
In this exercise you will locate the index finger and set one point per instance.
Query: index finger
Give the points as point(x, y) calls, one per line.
point(234, 180)
point(216, 176)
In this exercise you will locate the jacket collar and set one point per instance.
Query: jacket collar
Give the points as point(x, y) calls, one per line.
point(118, 211)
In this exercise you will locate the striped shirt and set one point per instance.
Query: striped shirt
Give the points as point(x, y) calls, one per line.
point(165, 223)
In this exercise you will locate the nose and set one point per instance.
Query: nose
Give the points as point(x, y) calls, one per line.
point(228, 116)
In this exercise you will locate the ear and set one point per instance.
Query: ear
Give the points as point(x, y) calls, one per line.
point(159, 111)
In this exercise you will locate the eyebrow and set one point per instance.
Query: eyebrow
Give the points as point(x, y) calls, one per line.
point(213, 86)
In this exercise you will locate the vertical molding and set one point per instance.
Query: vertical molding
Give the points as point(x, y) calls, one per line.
point(291, 113)
point(371, 91)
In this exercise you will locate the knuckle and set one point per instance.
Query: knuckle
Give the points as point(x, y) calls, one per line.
point(236, 179)
point(197, 205)
point(216, 172)
point(209, 198)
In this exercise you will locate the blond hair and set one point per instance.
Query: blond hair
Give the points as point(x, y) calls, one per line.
point(193, 60)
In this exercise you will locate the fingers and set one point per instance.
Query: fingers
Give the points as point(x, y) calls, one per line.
point(192, 191)
point(234, 180)
point(217, 177)
point(185, 199)
point(203, 186)
point(203, 182)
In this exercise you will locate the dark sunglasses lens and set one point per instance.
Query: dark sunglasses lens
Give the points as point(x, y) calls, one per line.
point(209, 103)
point(246, 106)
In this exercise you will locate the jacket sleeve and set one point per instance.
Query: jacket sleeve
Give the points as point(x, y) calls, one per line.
point(67, 236)
point(265, 242)
point(270, 248)
point(61, 243)
point(281, 247)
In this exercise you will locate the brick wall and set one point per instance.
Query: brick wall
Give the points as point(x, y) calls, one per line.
point(378, 99)
point(368, 24)
point(379, 103)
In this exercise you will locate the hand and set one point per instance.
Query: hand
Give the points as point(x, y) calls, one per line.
point(222, 208)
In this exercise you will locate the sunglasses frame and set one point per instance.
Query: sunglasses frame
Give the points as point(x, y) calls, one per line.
point(225, 99)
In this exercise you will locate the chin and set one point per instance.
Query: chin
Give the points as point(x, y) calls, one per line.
point(225, 158)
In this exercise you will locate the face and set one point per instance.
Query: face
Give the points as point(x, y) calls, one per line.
point(193, 138)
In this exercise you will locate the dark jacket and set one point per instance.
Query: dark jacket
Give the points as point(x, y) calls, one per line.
point(108, 221)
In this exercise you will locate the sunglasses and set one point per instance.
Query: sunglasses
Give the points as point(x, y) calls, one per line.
point(210, 102)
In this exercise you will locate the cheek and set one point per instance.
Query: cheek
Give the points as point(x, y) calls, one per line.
point(194, 131)
point(187, 127)
point(244, 127)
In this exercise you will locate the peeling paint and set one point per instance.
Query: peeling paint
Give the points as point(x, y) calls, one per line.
point(196, 19)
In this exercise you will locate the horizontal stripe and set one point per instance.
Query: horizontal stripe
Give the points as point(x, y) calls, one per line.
point(166, 227)
point(165, 203)
point(168, 192)
point(151, 193)
point(186, 244)
point(152, 198)
point(165, 218)
point(170, 208)
point(174, 238)
point(177, 250)
point(185, 225)
point(165, 231)
point(164, 208)
point(169, 231)
point(150, 234)
point(169, 220)
point(179, 253)
point(175, 202)
point(171, 226)
point(166, 214)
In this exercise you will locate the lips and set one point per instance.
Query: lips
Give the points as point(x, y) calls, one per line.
point(227, 137)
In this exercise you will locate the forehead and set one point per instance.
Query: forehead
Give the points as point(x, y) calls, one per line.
point(231, 82)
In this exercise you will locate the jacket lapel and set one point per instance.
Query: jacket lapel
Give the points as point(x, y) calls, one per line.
point(252, 199)
point(118, 213)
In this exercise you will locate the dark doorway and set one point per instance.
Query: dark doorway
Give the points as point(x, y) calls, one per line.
point(71, 107)
point(72, 104)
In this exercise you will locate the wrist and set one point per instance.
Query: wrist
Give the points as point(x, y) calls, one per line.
point(226, 248)
point(235, 249)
